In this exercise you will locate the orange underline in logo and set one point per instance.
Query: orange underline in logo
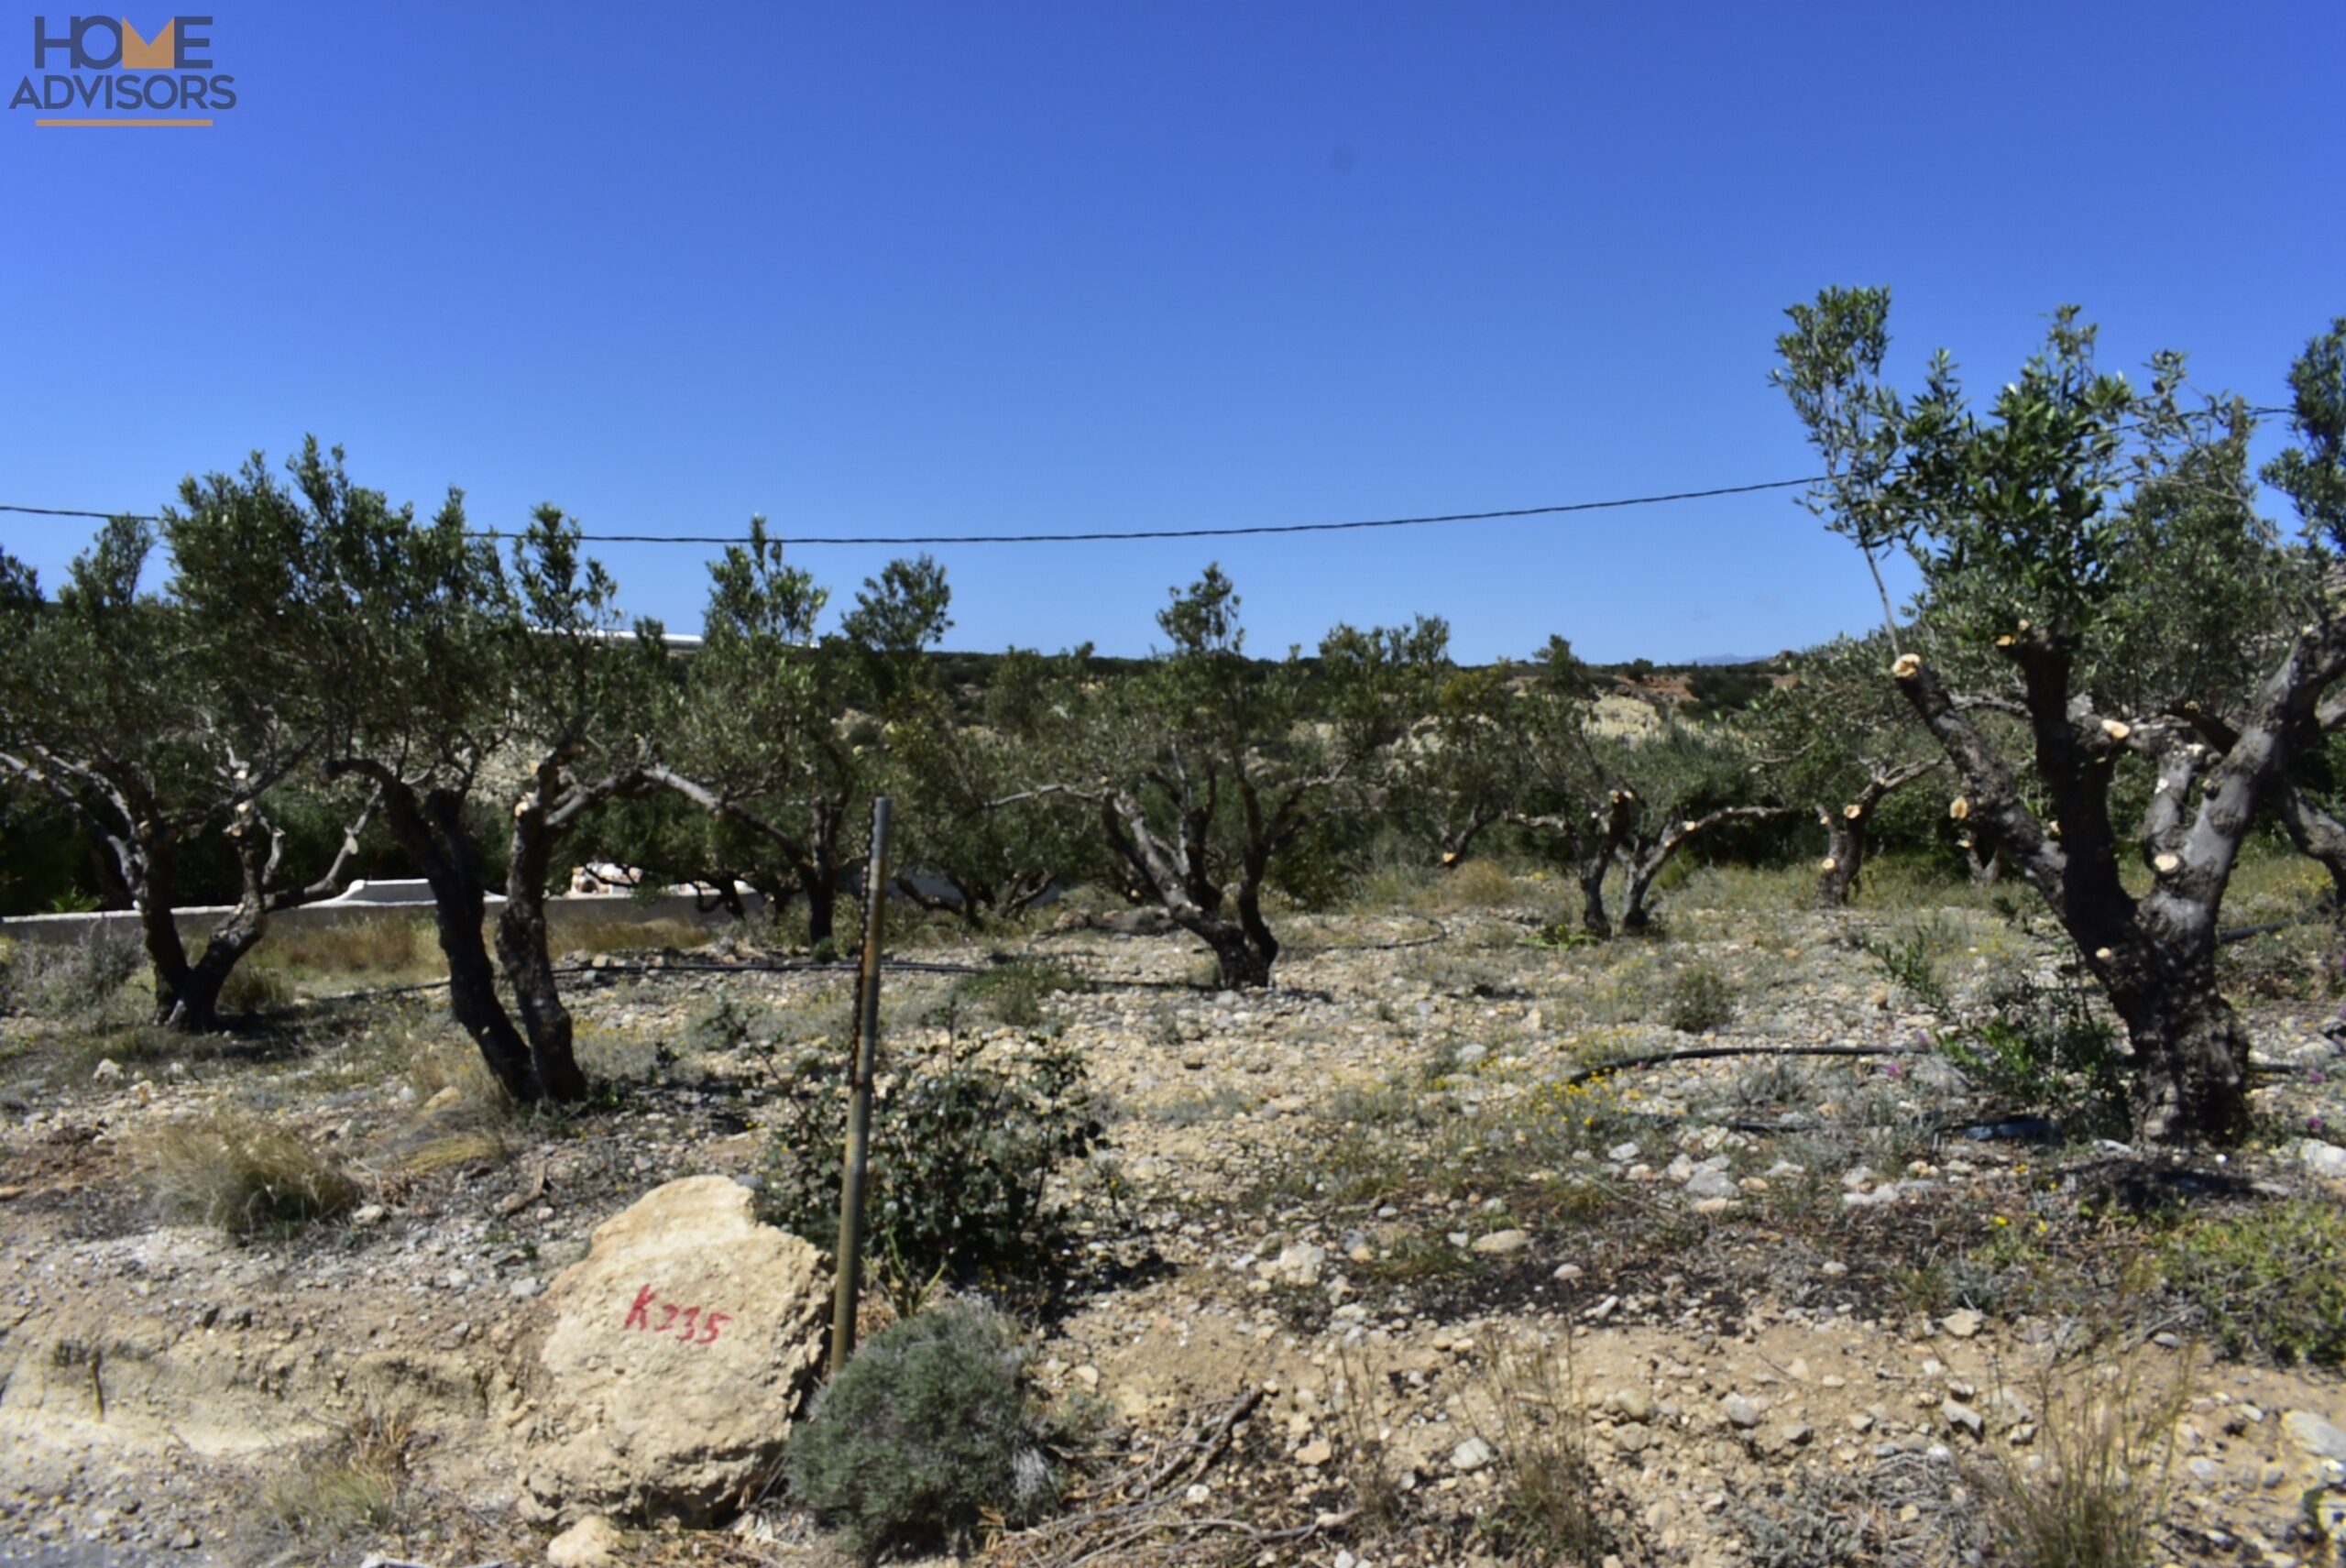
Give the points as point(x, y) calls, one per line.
point(122, 122)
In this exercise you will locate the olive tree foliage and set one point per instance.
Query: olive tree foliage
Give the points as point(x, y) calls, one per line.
point(957, 848)
point(1837, 737)
point(421, 630)
point(1205, 770)
point(2050, 529)
point(155, 719)
point(1454, 778)
point(446, 675)
point(778, 737)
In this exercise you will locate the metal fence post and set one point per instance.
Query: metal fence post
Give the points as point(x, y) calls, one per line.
point(858, 1114)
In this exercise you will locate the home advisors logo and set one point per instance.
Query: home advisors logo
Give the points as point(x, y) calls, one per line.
point(163, 79)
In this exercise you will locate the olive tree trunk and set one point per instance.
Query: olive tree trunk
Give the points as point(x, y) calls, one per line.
point(1176, 870)
point(1846, 833)
point(260, 851)
point(428, 824)
point(550, 807)
point(1646, 863)
point(1589, 850)
point(2154, 956)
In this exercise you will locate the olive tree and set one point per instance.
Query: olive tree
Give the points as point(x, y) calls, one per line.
point(957, 848)
point(1456, 776)
point(1837, 737)
point(1689, 782)
point(1206, 768)
point(155, 718)
point(779, 739)
point(2038, 529)
point(585, 695)
point(462, 681)
point(1532, 749)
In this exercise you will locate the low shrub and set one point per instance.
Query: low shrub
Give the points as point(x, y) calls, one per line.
point(961, 1149)
point(726, 1026)
point(927, 1432)
point(2272, 1282)
point(1012, 993)
point(1909, 1508)
point(2041, 1048)
point(245, 1175)
point(71, 980)
point(1911, 962)
point(1699, 1000)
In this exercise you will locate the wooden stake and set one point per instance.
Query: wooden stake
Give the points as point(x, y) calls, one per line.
point(858, 1113)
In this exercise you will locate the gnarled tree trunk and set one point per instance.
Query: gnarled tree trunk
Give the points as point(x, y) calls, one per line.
point(1244, 948)
point(545, 815)
point(526, 957)
point(197, 1006)
point(1589, 851)
point(1179, 878)
point(430, 829)
point(820, 873)
point(2190, 1079)
point(1647, 863)
point(2156, 956)
point(260, 848)
point(1844, 833)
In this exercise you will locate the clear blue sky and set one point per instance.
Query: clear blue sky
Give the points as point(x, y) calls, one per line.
point(949, 267)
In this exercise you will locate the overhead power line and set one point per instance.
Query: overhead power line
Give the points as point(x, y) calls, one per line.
point(1107, 536)
point(1101, 537)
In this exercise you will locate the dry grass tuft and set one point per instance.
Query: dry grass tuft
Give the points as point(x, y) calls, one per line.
point(1555, 1506)
point(247, 1176)
point(622, 936)
point(251, 989)
point(464, 1116)
point(347, 1485)
point(447, 1059)
point(376, 948)
point(446, 1151)
point(2093, 1488)
point(1476, 885)
point(1380, 1503)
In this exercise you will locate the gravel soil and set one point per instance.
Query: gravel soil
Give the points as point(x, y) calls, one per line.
point(1360, 1251)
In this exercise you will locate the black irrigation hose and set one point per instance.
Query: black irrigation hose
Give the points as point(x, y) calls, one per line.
point(1709, 1053)
point(1441, 933)
point(793, 966)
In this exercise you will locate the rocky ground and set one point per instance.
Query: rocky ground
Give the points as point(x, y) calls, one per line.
point(1362, 1253)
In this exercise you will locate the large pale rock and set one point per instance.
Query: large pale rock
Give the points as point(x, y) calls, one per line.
point(592, 1542)
point(674, 1357)
point(2323, 1159)
point(2318, 1440)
